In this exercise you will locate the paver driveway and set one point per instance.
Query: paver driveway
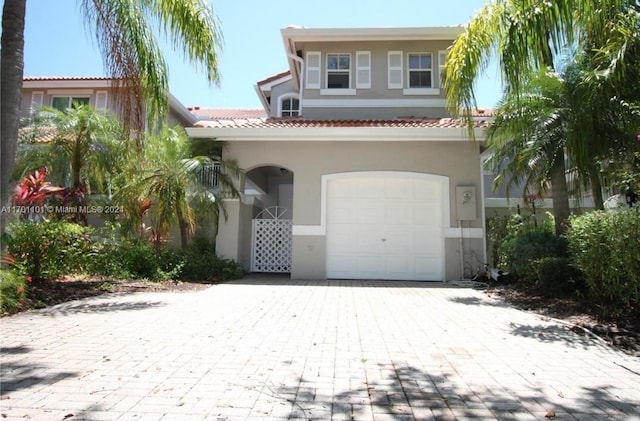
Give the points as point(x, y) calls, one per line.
point(269, 349)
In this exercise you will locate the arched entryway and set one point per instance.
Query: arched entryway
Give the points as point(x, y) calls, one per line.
point(269, 189)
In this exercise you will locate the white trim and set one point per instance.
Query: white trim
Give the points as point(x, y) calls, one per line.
point(337, 134)
point(374, 103)
point(321, 230)
point(398, 69)
point(503, 202)
point(309, 69)
point(78, 93)
point(512, 203)
point(409, 70)
point(338, 92)
point(420, 91)
point(66, 84)
point(282, 97)
point(298, 34)
point(441, 63)
point(37, 99)
point(268, 86)
point(363, 68)
point(178, 108)
point(105, 98)
point(326, 71)
point(452, 232)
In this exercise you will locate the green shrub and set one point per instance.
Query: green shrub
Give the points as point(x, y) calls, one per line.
point(199, 263)
point(127, 259)
point(605, 247)
point(521, 249)
point(50, 249)
point(12, 291)
point(556, 277)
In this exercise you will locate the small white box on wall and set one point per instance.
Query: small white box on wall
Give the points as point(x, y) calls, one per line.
point(466, 203)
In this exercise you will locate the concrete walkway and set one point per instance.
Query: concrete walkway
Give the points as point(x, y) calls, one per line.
point(272, 349)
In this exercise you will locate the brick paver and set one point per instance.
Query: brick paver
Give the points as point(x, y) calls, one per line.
point(266, 348)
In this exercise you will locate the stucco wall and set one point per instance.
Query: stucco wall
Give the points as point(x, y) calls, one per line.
point(309, 161)
point(379, 87)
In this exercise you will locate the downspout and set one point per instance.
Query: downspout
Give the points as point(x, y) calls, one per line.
point(301, 79)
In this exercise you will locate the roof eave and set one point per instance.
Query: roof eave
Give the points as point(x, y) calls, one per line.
point(176, 106)
point(371, 34)
point(337, 134)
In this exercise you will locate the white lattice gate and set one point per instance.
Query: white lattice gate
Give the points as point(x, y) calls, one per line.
point(271, 241)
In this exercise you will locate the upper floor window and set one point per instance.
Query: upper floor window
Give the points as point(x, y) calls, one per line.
point(62, 103)
point(420, 70)
point(290, 107)
point(338, 71)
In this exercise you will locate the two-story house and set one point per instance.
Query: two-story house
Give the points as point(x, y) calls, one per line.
point(358, 172)
point(61, 92)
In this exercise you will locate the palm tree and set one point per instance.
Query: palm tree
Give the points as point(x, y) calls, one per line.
point(83, 155)
point(124, 33)
point(526, 36)
point(170, 181)
point(529, 134)
point(11, 74)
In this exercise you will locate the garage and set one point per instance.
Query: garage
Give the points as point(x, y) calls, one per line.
point(385, 225)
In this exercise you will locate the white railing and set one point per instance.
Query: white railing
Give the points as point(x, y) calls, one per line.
point(210, 176)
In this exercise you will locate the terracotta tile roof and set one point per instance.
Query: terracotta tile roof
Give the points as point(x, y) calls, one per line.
point(304, 123)
point(53, 78)
point(483, 112)
point(227, 113)
point(39, 135)
point(274, 77)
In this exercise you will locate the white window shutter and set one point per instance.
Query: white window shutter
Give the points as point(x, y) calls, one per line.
point(363, 69)
point(101, 101)
point(312, 74)
point(37, 98)
point(442, 60)
point(394, 63)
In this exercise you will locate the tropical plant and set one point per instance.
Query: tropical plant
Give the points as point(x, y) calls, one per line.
point(85, 154)
point(49, 249)
point(132, 57)
point(33, 190)
point(169, 181)
point(528, 137)
point(528, 37)
point(605, 247)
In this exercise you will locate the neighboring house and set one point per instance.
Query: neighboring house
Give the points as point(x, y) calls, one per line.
point(63, 91)
point(357, 171)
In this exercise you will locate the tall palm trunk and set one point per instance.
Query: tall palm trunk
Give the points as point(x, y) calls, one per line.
point(596, 187)
point(11, 74)
point(560, 195)
point(184, 228)
point(557, 172)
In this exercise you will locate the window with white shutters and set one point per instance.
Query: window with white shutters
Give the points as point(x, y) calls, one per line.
point(101, 101)
point(37, 98)
point(313, 64)
point(363, 69)
point(394, 66)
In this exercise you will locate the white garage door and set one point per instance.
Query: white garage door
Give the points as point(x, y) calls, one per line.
point(385, 226)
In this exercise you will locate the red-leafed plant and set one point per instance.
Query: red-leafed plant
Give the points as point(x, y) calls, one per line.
point(33, 190)
point(32, 193)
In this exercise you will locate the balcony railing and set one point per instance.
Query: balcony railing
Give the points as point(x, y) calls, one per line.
point(210, 176)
